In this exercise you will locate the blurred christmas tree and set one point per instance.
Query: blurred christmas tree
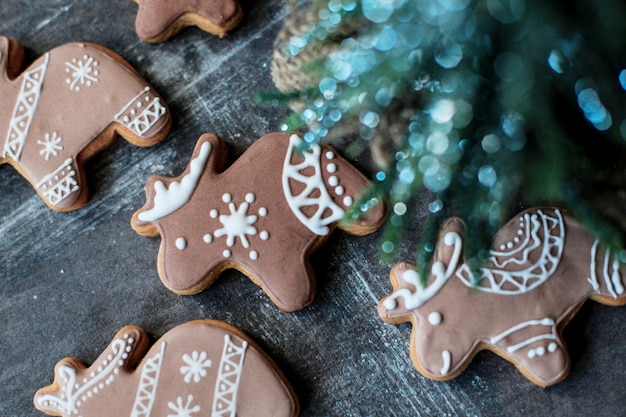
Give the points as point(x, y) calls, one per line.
point(488, 104)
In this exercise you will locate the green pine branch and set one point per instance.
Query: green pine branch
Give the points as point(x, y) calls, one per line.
point(486, 104)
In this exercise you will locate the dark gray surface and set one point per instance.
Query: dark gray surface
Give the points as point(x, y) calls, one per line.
point(69, 281)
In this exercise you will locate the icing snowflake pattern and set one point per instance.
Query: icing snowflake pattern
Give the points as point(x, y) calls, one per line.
point(83, 72)
point(51, 145)
point(195, 366)
point(238, 224)
point(183, 410)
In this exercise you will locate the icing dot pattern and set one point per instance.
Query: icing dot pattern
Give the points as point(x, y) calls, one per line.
point(237, 226)
point(435, 318)
point(542, 350)
point(73, 395)
point(333, 180)
point(516, 240)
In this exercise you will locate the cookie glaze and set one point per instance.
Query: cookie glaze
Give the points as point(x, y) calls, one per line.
point(203, 368)
point(542, 267)
point(264, 215)
point(159, 20)
point(68, 105)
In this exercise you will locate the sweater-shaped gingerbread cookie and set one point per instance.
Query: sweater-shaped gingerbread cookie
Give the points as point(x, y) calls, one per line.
point(542, 267)
point(201, 368)
point(263, 216)
point(68, 105)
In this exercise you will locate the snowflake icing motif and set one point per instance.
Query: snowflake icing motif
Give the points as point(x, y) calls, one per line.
point(83, 72)
point(51, 145)
point(238, 224)
point(195, 366)
point(183, 410)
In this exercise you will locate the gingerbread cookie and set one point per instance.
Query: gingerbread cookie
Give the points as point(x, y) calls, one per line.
point(542, 267)
point(199, 368)
point(263, 216)
point(68, 105)
point(159, 20)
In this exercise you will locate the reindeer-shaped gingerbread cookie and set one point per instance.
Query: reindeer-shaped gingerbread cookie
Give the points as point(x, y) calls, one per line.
point(203, 368)
point(159, 20)
point(542, 267)
point(263, 216)
point(68, 105)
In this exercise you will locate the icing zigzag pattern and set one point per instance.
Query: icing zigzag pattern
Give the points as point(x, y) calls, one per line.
point(314, 194)
point(542, 267)
point(67, 106)
point(174, 378)
point(146, 393)
point(512, 272)
point(24, 111)
point(272, 200)
point(228, 378)
point(60, 184)
point(142, 113)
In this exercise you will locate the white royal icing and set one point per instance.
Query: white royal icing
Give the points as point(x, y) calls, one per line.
point(24, 110)
point(519, 281)
point(150, 112)
point(195, 366)
point(314, 185)
point(494, 279)
point(181, 243)
point(228, 378)
point(539, 351)
point(148, 383)
point(435, 318)
point(83, 72)
point(238, 224)
point(73, 393)
point(613, 280)
point(446, 357)
point(78, 387)
point(169, 199)
point(60, 184)
point(421, 294)
point(51, 145)
point(182, 407)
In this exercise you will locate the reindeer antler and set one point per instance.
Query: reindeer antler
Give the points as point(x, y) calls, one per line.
point(68, 393)
point(417, 298)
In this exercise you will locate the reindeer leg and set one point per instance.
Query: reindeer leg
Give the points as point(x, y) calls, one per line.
point(292, 289)
point(63, 188)
point(536, 349)
point(144, 120)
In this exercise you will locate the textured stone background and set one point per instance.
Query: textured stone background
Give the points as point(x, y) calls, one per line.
point(69, 282)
